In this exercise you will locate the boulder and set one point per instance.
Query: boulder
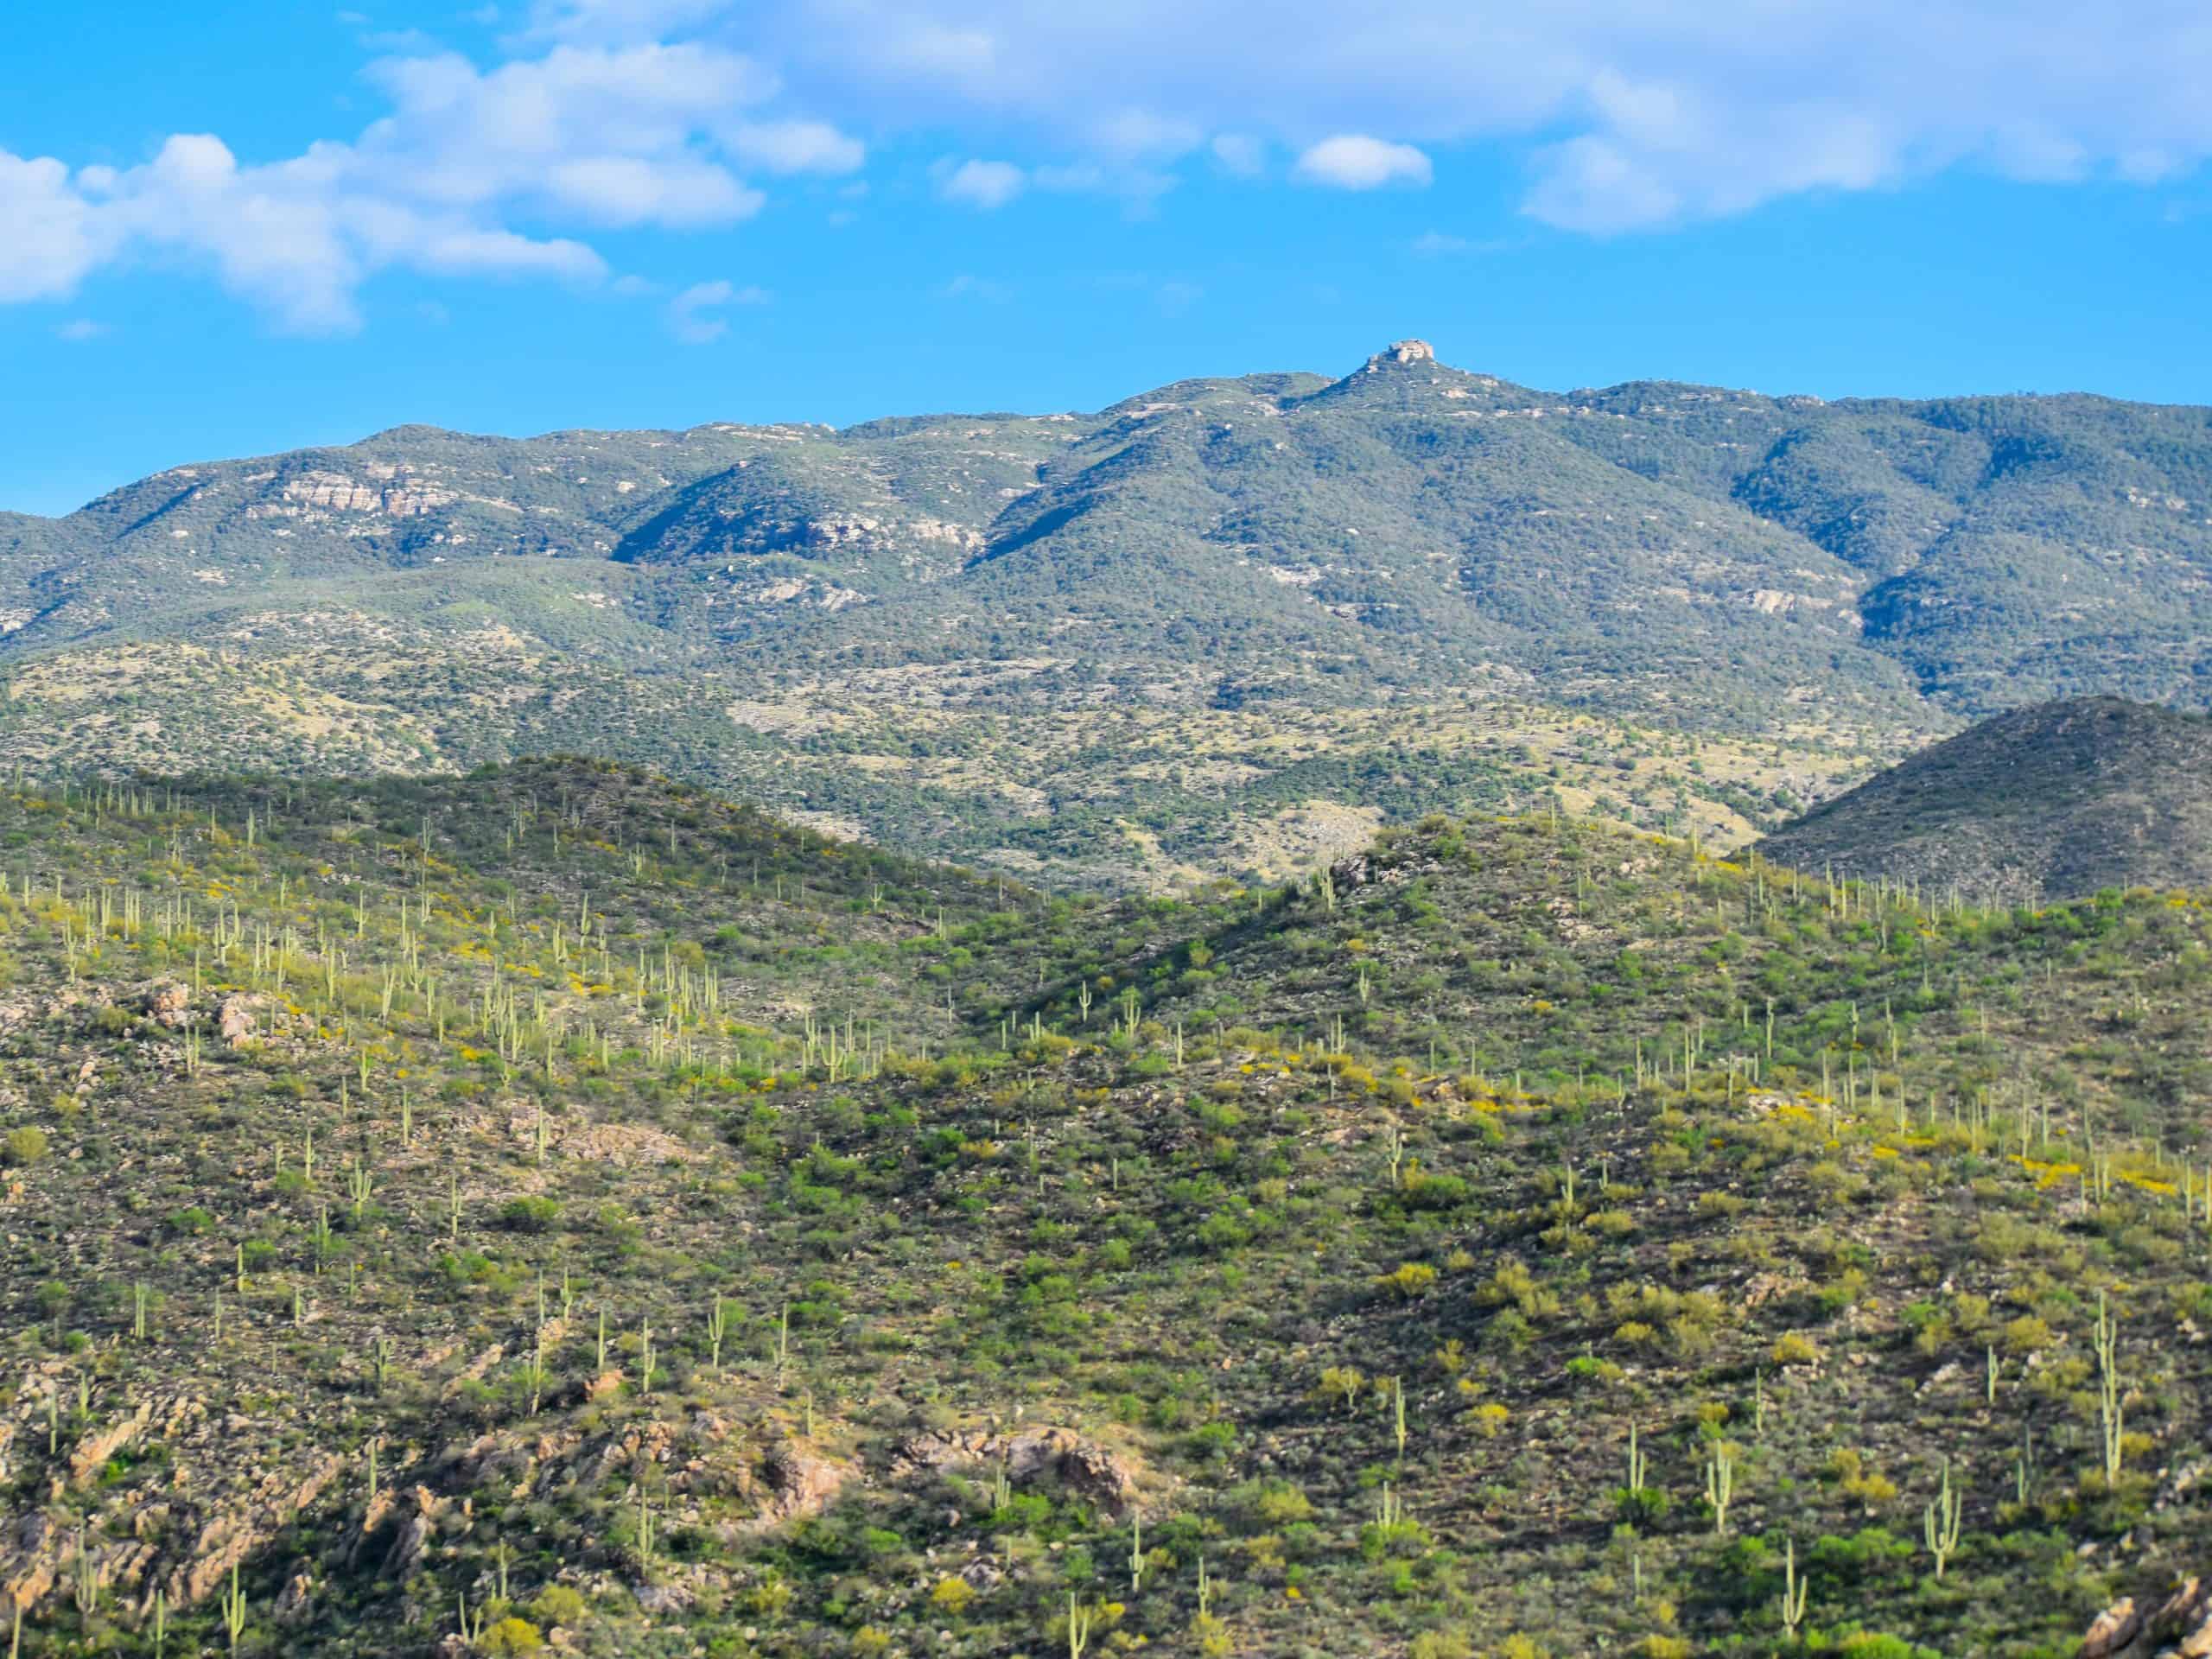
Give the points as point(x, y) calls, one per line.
point(234, 1020)
point(2179, 1626)
point(800, 1482)
point(167, 1003)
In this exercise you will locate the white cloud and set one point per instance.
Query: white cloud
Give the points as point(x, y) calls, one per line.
point(617, 134)
point(675, 192)
point(296, 238)
point(1662, 154)
point(54, 236)
point(987, 185)
point(794, 147)
point(1352, 161)
point(1439, 242)
point(623, 136)
point(1143, 135)
point(982, 184)
point(667, 114)
point(78, 329)
point(691, 315)
point(1638, 113)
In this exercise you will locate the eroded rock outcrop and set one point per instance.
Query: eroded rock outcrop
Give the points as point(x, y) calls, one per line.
point(1089, 1469)
point(167, 1003)
point(234, 1020)
point(2178, 1625)
point(800, 1482)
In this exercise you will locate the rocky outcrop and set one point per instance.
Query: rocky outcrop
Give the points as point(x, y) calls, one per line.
point(333, 491)
point(800, 1482)
point(293, 1602)
point(34, 1562)
point(422, 1505)
point(234, 1020)
point(1354, 872)
point(41, 1554)
point(1085, 1468)
point(228, 1537)
point(2179, 1626)
point(624, 1145)
point(167, 1003)
point(1403, 351)
point(91, 1454)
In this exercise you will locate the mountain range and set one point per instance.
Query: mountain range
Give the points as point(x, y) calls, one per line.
point(1224, 625)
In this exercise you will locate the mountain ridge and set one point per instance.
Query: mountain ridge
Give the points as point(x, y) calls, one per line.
point(919, 614)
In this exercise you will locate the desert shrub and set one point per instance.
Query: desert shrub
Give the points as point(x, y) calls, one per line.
point(1795, 1348)
point(530, 1213)
point(1409, 1279)
point(558, 1604)
point(509, 1637)
point(952, 1596)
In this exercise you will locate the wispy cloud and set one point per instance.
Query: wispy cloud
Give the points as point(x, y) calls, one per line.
point(1239, 153)
point(794, 147)
point(981, 184)
point(694, 315)
point(968, 286)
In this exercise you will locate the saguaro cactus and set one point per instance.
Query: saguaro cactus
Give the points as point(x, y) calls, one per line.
point(1938, 1521)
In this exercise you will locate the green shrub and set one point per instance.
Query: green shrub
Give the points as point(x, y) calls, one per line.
point(530, 1213)
point(1278, 1504)
point(559, 1604)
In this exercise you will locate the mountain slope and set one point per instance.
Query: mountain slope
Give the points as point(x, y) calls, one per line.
point(2011, 547)
point(558, 1205)
point(2055, 801)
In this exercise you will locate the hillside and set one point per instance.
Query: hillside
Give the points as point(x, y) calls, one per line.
point(2055, 801)
point(1220, 627)
point(556, 1207)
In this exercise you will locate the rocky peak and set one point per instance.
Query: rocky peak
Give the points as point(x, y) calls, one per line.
point(1403, 351)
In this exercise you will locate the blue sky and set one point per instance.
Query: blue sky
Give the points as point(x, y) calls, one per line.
point(237, 227)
